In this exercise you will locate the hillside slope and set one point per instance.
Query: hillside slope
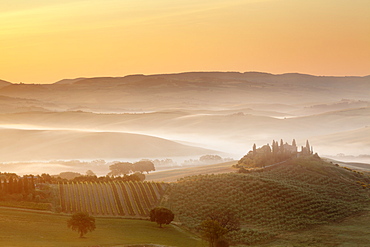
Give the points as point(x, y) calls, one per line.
point(357, 139)
point(174, 174)
point(37, 145)
point(4, 83)
point(52, 230)
point(286, 197)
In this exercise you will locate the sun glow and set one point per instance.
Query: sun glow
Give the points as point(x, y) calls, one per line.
point(44, 41)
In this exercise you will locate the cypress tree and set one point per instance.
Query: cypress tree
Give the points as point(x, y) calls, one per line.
point(32, 183)
point(20, 185)
point(268, 149)
point(25, 184)
point(11, 186)
point(277, 147)
point(281, 146)
point(294, 145)
point(308, 148)
point(6, 187)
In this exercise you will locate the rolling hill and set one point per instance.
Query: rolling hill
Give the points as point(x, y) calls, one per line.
point(229, 131)
point(274, 201)
point(357, 139)
point(4, 83)
point(38, 145)
point(13, 105)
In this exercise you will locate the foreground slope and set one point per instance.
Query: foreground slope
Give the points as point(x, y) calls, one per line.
point(285, 197)
point(352, 231)
point(35, 229)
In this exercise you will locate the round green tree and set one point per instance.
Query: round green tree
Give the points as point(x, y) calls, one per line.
point(161, 216)
point(82, 223)
point(212, 231)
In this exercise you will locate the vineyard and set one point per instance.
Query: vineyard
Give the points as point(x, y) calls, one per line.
point(110, 198)
point(286, 197)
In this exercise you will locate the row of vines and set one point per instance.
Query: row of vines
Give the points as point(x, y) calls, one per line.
point(110, 198)
point(287, 197)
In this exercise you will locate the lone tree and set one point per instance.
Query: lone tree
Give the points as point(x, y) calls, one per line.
point(212, 231)
point(82, 223)
point(217, 225)
point(161, 216)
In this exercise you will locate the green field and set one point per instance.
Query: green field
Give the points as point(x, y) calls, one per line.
point(351, 232)
point(22, 228)
point(175, 174)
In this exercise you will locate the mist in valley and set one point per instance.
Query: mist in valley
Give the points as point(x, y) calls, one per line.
point(180, 117)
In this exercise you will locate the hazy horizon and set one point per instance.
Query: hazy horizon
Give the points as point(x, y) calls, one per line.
point(184, 72)
point(45, 41)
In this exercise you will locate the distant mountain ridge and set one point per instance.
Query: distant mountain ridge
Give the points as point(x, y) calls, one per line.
point(223, 75)
point(69, 81)
point(183, 75)
point(4, 83)
point(194, 90)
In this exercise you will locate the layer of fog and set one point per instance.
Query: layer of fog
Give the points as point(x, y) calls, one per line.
point(181, 115)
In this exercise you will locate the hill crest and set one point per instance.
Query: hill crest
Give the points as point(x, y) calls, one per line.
point(213, 74)
point(4, 83)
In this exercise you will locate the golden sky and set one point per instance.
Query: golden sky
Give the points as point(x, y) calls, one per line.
point(43, 41)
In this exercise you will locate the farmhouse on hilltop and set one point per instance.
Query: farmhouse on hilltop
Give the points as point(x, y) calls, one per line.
point(266, 155)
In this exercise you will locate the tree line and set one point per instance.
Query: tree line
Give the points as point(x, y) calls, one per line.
point(10, 183)
point(125, 168)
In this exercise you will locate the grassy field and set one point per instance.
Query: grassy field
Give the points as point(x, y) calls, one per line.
point(351, 232)
point(22, 228)
point(33, 229)
point(175, 174)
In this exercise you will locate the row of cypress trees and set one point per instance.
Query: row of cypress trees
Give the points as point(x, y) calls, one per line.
point(13, 184)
